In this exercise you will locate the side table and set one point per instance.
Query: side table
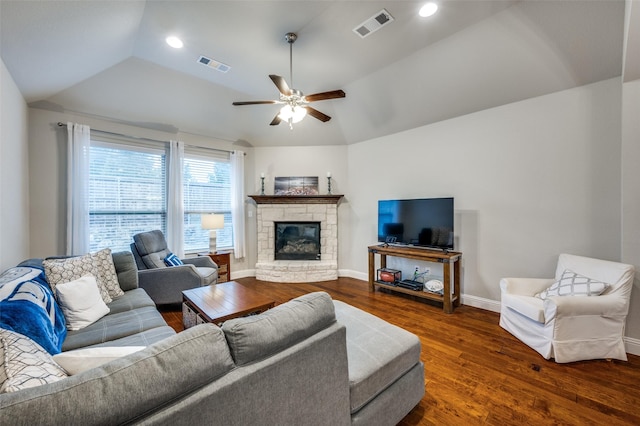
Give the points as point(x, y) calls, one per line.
point(223, 260)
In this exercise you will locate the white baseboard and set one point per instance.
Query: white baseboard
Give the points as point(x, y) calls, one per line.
point(632, 346)
point(348, 273)
point(480, 302)
point(243, 274)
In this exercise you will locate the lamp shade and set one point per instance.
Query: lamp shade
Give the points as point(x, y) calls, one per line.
point(212, 221)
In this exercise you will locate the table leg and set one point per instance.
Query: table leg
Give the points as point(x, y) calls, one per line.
point(447, 306)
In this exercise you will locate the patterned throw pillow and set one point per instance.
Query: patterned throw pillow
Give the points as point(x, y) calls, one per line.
point(25, 364)
point(70, 269)
point(107, 275)
point(572, 284)
point(172, 260)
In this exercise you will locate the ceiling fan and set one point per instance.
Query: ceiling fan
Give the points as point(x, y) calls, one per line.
point(296, 104)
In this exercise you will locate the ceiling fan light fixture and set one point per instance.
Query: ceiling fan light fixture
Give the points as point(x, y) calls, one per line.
point(293, 113)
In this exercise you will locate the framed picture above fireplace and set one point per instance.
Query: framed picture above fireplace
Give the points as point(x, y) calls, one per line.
point(296, 185)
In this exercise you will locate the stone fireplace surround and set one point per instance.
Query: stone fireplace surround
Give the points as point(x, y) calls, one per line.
point(298, 208)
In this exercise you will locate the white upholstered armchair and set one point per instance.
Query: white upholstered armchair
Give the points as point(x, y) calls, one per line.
point(570, 327)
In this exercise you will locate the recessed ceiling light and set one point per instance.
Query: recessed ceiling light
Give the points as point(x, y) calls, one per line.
point(174, 42)
point(428, 9)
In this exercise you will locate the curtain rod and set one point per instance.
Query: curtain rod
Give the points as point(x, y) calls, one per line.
point(61, 124)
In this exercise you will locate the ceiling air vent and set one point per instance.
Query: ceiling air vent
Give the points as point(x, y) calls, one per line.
point(208, 62)
point(373, 24)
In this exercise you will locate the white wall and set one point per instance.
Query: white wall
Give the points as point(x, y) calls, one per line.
point(306, 161)
point(14, 173)
point(530, 179)
point(631, 195)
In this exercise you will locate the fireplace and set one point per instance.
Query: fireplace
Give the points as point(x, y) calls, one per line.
point(297, 241)
point(299, 217)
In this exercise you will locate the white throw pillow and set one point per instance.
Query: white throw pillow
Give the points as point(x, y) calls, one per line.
point(24, 363)
point(77, 361)
point(573, 284)
point(81, 302)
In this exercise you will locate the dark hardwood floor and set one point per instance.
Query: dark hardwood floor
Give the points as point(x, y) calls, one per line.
point(477, 373)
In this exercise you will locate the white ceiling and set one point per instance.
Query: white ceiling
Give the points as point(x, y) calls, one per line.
point(109, 59)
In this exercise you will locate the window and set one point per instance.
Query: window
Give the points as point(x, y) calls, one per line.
point(207, 189)
point(128, 193)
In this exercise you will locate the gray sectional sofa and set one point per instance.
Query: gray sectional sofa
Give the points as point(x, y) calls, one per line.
point(311, 361)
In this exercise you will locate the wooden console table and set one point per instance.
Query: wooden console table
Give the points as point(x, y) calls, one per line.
point(451, 267)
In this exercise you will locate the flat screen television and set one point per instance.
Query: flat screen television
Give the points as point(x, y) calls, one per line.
point(424, 222)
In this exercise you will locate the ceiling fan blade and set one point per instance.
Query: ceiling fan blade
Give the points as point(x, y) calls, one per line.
point(281, 84)
point(276, 120)
point(317, 114)
point(325, 95)
point(256, 102)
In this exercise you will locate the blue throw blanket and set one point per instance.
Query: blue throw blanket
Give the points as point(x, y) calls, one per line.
point(27, 306)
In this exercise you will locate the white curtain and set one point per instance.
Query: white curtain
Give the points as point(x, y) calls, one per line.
point(175, 213)
point(237, 203)
point(78, 144)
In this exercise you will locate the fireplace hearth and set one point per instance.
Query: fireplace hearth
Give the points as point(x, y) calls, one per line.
point(297, 241)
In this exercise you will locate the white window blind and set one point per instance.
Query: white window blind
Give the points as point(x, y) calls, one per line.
point(128, 186)
point(207, 189)
point(127, 193)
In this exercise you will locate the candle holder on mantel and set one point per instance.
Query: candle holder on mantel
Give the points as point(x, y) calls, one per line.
point(328, 185)
point(261, 185)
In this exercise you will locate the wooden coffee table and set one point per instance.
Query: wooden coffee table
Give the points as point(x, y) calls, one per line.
point(220, 302)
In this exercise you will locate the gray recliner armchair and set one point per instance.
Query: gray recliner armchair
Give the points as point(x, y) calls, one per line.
point(165, 284)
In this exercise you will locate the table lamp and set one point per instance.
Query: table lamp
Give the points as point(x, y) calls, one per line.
point(212, 222)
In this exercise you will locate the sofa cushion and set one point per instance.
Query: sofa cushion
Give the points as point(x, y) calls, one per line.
point(24, 363)
point(132, 299)
point(114, 326)
point(143, 338)
point(209, 275)
point(155, 260)
point(63, 270)
point(81, 302)
point(258, 336)
point(126, 269)
point(529, 306)
point(378, 353)
point(127, 389)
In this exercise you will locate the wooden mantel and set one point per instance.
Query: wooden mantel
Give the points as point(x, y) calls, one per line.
point(296, 199)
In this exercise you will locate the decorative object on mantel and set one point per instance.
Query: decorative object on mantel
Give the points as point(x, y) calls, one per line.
point(296, 199)
point(296, 185)
point(262, 183)
point(212, 222)
point(329, 183)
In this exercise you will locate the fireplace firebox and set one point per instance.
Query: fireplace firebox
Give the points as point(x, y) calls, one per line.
point(297, 241)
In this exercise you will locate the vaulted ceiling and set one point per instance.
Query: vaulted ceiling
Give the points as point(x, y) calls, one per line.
point(109, 59)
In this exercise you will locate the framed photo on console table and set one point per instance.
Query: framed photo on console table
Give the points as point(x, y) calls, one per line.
point(296, 185)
